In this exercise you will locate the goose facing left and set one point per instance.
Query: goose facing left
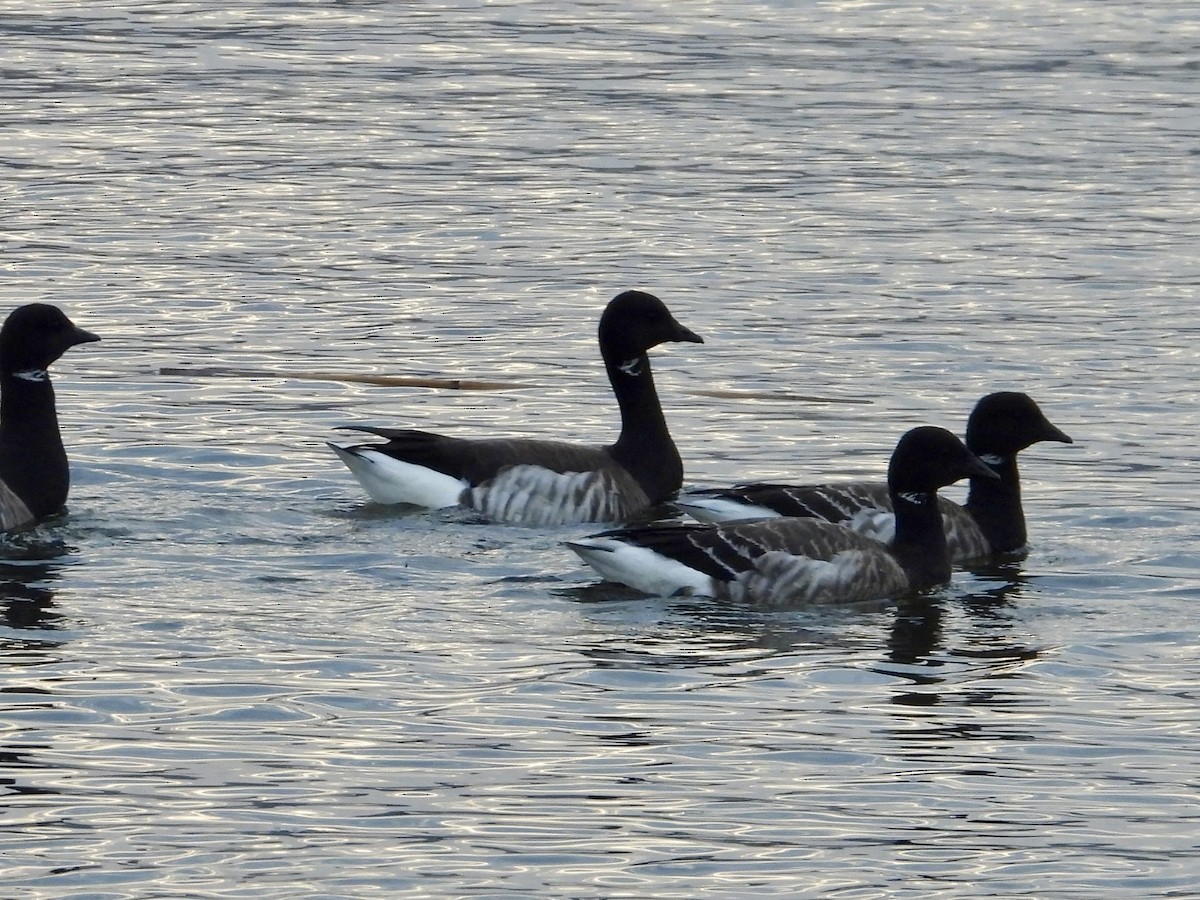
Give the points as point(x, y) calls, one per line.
point(34, 473)
point(546, 482)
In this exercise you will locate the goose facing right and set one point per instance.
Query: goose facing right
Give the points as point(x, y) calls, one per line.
point(792, 561)
point(546, 482)
point(992, 521)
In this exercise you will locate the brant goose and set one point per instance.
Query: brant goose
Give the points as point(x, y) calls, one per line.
point(992, 521)
point(536, 482)
point(34, 476)
point(792, 561)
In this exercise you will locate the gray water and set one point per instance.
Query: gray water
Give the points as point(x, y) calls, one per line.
point(225, 674)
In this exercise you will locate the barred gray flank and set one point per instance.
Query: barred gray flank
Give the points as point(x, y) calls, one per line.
point(534, 495)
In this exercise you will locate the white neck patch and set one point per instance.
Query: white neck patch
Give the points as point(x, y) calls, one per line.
point(632, 367)
point(993, 459)
point(917, 498)
point(32, 375)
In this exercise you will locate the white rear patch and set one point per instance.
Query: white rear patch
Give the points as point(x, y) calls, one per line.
point(720, 509)
point(642, 569)
point(388, 480)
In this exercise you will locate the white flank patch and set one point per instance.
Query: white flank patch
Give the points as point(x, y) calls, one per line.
point(388, 480)
point(877, 524)
point(641, 569)
point(13, 511)
point(721, 509)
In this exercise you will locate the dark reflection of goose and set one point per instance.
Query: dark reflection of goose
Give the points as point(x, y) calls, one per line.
point(990, 606)
point(29, 564)
point(16, 759)
point(917, 633)
point(915, 646)
point(698, 631)
point(1001, 582)
point(28, 570)
point(918, 651)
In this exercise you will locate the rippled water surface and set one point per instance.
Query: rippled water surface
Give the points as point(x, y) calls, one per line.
point(225, 674)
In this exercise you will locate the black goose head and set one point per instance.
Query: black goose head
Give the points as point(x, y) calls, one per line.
point(928, 458)
point(35, 335)
point(1005, 423)
point(635, 321)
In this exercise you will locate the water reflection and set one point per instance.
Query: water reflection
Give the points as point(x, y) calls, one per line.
point(916, 632)
point(916, 644)
point(699, 631)
point(1003, 581)
point(18, 758)
point(28, 571)
point(283, 687)
point(915, 637)
point(960, 649)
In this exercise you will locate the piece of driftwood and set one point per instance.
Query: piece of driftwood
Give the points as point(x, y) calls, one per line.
point(453, 384)
point(472, 384)
point(771, 395)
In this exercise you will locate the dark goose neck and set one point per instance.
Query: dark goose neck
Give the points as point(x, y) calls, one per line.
point(920, 542)
point(644, 448)
point(30, 443)
point(995, 504)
